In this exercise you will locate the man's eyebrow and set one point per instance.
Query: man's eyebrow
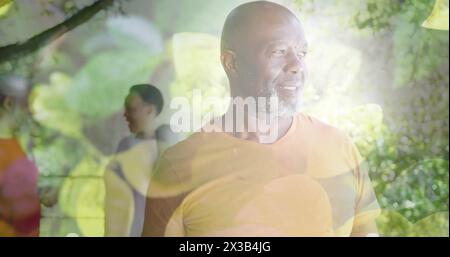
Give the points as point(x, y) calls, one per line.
point(280, 41)
point(276, 41)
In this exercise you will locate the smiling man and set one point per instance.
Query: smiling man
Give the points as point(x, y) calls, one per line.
point(309, 181)
point(126, 177)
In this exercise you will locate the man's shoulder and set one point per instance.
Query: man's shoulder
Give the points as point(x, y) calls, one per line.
point(126, 143)
point(184, 144)
point(178, 157)
point(317, 128)
point(172, 174)
point(331, 150)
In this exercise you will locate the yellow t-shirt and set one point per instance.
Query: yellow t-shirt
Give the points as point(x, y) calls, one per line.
point(126, 179)
point(311, 182)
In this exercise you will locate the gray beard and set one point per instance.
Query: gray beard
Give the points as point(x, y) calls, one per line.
point(283, 109)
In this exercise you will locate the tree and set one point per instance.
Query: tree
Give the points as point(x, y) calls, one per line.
point(20, 49)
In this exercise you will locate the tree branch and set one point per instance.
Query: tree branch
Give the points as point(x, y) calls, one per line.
point(22, 48)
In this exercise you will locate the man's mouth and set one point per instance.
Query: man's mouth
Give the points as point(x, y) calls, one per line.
point(290, 86)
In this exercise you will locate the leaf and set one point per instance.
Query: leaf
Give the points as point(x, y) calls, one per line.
point(124, 33)
point(4, 2)
point(205, 16)
point(391, 223)
point(196, 54)
point(50, 107)
point(196, 58)
point(439, 17)
point(100, 87)
point(5, 6)
point(135, 33)
point(82, 196)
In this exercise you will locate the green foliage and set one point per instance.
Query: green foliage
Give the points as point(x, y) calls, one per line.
point(100, 87)
point(133, 49)
point(56, 155)
point(5, 5)
point(82, 199)
point(407, 150)
point(376, 14)
point(50, 106)
point(197, 66)
point(403, 135)
point(417, 191)
point(418, 52)
point(393, 224)
point(172, 16)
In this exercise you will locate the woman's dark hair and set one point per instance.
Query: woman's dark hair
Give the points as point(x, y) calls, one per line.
point(150, 94)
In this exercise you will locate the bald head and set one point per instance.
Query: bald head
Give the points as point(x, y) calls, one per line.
point(245, 23)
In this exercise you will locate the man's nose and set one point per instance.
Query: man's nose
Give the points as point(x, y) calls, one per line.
point(294, 63)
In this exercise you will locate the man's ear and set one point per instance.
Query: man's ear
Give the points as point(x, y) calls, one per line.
point(8, 103)
point(228, 59)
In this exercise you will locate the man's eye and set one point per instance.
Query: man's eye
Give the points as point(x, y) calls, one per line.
point(301, 54)
point(279, 52)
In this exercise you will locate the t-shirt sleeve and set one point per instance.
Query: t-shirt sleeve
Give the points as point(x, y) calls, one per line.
point(366, 204)
point(163, 198)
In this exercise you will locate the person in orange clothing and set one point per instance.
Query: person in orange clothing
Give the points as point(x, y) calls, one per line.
point(294, 176)
point(19, 198)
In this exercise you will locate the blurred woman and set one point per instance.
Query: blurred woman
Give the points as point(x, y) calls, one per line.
point(19, 199)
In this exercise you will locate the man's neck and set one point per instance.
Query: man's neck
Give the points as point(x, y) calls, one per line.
point(259, 129)
point(144, 135)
